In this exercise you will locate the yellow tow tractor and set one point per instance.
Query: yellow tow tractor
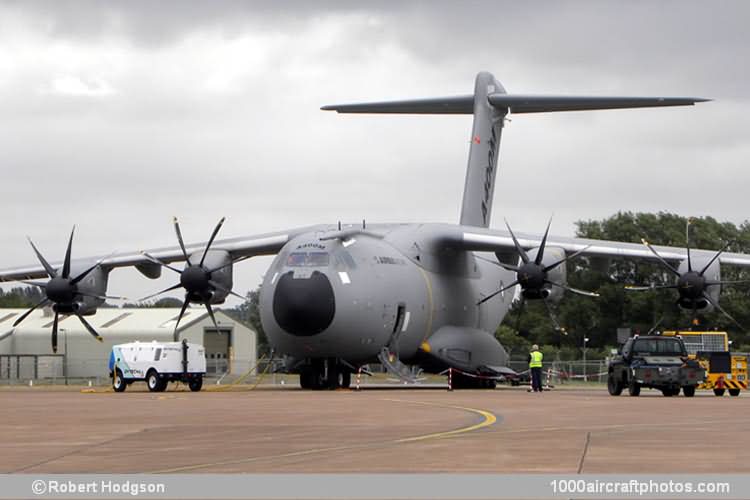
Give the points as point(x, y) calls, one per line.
point(724, 370)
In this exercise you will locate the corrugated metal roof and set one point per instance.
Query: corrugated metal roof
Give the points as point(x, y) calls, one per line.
point(130, 319)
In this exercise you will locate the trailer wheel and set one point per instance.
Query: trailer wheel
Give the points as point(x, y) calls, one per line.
point(153, 381)
point(734, 392)
point(718, 392)
point(688, 391)
point(195, 384)
point(118, 383)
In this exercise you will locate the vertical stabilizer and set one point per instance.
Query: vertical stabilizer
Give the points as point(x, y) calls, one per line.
point(490, 104)
point(479, 187)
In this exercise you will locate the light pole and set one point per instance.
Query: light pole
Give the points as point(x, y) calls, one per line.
point(585, 375)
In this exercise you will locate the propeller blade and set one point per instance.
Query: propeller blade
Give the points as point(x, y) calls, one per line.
point(87, 271)
point(722, 310)
point(520, 313)
point(174, 287)
point(89, 327)
point(664, 262)
point(179, 239)
point(573, 290)
point(26, 314)
point(157, 261)
point(211, 313)
point(225, 289)
point(519, 248)
point(66, 262)
point(632, 288)
point(50, 270)
point(716, 256)
point(54, 334)
point(656, 325)
point(211, 239)
point(179, 318)
point(569, 257)
point(540, 252)
point(515, 282)
point(552, 315)
point(733, 282)
point(687, 244)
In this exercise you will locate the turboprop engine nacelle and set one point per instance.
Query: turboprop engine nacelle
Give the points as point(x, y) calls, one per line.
point(691, 285)
point(535, 283)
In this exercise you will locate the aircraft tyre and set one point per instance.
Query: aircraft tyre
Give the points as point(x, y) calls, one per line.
point(346, 379)
point(634, 388)
point(718, 392)
point(118, 383)
point(613, 385)
point(195, 384)
point(688, 391)
point(734, 392)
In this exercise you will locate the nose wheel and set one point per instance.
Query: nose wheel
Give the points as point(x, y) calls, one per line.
point(318, 376)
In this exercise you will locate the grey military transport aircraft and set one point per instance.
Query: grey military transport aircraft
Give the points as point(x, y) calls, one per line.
point(429, 295)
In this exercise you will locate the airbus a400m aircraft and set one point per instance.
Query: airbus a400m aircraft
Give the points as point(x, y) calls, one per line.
point(337, 297)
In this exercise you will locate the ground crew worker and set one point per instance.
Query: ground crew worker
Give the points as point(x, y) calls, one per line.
point(535, 367)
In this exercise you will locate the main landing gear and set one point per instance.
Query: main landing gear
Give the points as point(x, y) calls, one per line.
point(323, 374)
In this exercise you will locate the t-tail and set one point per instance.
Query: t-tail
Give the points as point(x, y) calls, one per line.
point(490, 104)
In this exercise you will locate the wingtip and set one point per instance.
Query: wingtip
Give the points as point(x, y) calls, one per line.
point(328, 107)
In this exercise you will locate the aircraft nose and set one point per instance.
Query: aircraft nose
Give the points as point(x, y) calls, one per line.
point(304, 306)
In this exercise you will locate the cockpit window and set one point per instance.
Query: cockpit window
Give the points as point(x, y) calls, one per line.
point(308, 259)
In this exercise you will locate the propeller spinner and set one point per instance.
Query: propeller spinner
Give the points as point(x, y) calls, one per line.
point(195, 278)
point(533, 275)
point(691, 285)
point(62, 291)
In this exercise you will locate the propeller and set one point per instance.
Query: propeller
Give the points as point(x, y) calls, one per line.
point(691, 285)
point(62, 292)
point(532, 275)
point(195, 278)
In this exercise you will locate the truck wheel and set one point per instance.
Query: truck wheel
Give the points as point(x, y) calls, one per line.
point(634, 388)
point(667, 392)
point(718, 392)
point(118, 383)
point(613, 385)
point(734, 392)
point(195, 384)
point(688, 391)
point(153, 382)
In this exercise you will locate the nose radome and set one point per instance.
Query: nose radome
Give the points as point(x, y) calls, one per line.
point(304, 306)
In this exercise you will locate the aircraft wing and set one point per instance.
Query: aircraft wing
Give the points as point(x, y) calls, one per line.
point(500, 241)
point(245, 246)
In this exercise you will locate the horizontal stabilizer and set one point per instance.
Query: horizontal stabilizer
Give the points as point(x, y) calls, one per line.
point(458, 105)
point(514, 103)
point(540, 103)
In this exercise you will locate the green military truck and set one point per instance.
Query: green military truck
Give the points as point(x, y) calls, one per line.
point(654, 362)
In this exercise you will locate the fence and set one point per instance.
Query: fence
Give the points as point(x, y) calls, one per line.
point(562, 372)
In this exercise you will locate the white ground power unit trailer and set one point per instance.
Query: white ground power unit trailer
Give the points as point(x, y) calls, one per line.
point(157, 363)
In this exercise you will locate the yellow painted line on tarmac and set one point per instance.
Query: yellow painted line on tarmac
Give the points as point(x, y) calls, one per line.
point(488, 419)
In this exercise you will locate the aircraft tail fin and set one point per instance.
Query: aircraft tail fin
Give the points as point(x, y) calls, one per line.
point(490, 104)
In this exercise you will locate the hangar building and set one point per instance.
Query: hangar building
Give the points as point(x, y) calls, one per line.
point(26, 350)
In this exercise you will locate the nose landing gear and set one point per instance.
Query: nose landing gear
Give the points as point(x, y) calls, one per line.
point(323, 374)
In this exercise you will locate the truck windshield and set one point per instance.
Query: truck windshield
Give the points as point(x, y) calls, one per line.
point(668, 347)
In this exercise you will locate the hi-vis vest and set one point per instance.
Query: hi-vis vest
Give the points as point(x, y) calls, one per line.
point(536, 360)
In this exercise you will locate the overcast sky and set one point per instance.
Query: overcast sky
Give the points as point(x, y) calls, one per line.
point(117, 115)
